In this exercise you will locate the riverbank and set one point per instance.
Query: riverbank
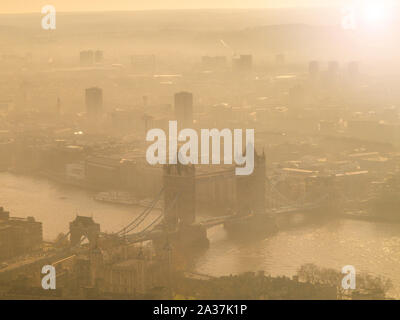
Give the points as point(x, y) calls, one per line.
point(371, 247)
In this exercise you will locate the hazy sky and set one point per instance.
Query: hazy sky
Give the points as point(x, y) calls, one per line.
point(18, 6)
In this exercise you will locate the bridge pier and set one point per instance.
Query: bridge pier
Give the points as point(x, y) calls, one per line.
point(186, 238)
point(179, 247)
point(253, 225)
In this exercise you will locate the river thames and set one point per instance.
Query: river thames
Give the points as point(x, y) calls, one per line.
point(370, 247)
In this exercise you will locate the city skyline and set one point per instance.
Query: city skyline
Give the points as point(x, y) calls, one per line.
point(168, 150)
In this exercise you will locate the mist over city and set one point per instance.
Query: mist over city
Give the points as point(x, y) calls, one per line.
point(178, 150)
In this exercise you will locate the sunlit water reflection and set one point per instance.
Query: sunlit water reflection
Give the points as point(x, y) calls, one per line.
point(371, 247)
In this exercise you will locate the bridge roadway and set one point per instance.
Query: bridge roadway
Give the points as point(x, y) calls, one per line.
point(293, 209)
point(155, 233)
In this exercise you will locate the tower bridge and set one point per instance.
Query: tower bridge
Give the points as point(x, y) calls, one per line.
point(258, 201)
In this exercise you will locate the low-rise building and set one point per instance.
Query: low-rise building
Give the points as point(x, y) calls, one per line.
point(18, 235)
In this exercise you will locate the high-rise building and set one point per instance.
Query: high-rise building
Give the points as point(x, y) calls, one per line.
point(98, 56)
point(313, 68)
point(333, 68)
point(243, 63)
point(58, 106)
point(86, 57)
point(184, 109)
point(213, 63)
point(94, 102)
point(280, 59)
point(353, 68)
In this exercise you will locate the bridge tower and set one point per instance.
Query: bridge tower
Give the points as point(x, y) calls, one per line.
point(181, 233)
point(332, 202)
point(250, 190)
point(84, 226)
point(179, 195)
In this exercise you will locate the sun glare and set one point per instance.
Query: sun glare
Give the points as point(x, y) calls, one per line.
point(376, 13)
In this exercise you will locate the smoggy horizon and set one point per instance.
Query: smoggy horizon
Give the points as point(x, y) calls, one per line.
point(223, 150)
point(19, 6)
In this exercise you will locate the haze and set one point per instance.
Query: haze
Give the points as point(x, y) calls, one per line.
point(21, 6)
point(312, 89)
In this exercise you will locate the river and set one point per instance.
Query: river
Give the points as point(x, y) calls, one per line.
point(370, 247)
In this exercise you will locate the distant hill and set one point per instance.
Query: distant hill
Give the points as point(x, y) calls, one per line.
point(311, 33)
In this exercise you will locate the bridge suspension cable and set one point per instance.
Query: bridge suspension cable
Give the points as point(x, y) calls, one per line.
point(65, 236)
point(154, 222)
point(283, 198)
point(139, 219)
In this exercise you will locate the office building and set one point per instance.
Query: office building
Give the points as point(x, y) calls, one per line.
point(184, 109)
